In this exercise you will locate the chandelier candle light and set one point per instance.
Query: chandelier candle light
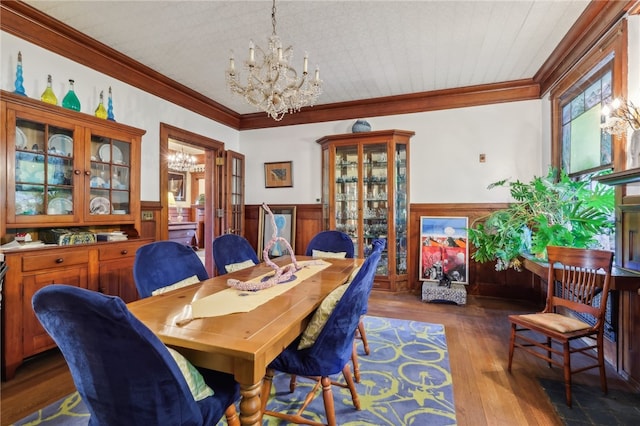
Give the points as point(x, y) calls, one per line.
point(273, 84)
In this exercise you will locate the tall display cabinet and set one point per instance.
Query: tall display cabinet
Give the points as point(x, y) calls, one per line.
point(66, 177)
point(365, 193)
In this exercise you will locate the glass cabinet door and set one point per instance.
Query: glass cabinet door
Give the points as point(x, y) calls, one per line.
point(400, 213)
point(44, 168)
point(346, 192)
point(375, 208)
point(110, 191)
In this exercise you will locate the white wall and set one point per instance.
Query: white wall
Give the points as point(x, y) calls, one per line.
point(131, 106)
point(445, 151)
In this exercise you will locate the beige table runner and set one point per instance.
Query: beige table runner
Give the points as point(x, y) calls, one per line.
point(231, 300)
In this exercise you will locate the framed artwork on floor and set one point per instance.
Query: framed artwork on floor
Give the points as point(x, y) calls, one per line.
point(278, 175)
point(444, 249)
point(285, 226)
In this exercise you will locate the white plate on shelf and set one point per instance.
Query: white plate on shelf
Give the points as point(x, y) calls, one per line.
point(21, 139)
point(105, 155)
point(100, 205)
point(60, 206)
point(62, 144)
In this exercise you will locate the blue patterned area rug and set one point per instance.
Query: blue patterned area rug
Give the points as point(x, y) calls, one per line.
point(405, 380)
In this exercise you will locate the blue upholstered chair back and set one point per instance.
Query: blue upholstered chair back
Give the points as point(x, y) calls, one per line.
point(334, 345)
point(333, 241)
point(229, 249)
point(163, 263)
point(122, 371)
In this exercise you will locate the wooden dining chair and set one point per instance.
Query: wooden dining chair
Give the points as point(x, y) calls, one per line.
point(123, 372)
point(575, 277)
point(330, 351)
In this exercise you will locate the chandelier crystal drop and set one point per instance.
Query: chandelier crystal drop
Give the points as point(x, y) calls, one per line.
point(182, 162)
point(272, 84)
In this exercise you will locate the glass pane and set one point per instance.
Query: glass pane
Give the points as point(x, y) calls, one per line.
point(375, 209)
point(346, 191)
point(110, 176)
point(29, 199)
point(44, 161)
point(60, 201)
point(401, 208)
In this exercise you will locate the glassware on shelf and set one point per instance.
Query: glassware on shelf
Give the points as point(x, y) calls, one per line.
point(110, 107)
point(101, 111)
point(19, 78)
point(70, 100)
point(48, 96)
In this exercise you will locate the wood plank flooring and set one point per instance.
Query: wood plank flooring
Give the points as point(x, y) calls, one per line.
point(477, 338)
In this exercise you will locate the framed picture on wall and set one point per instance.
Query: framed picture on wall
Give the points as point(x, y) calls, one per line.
point(444, 249)
point(278, 175)
point(176, 185)
point(285, 226)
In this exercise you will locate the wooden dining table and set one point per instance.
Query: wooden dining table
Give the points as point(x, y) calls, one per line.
point(242, 344)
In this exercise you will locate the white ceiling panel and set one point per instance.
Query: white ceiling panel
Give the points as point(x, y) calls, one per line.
point(365, 49)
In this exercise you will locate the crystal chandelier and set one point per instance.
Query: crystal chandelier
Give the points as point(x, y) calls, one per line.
point(272, 83)
point(181, 161)
point(620, 114)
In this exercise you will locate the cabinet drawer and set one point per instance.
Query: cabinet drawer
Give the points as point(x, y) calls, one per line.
point(54, 260)
point(182, 233)
point(118, 251)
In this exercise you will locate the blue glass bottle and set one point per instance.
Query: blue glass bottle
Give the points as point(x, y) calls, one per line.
point(70, 100)
point(110, 108)
point(19, 79)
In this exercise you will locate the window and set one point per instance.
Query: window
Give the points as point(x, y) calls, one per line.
point(578, 144)
point(584, 146)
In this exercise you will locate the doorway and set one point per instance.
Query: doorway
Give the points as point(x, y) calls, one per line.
point(177, 185)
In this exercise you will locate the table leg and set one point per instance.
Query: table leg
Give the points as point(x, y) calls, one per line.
point(250, 413)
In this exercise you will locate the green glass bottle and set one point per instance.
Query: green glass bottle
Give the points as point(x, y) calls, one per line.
point(101, 111)
point(70, 100)
point(48, 96)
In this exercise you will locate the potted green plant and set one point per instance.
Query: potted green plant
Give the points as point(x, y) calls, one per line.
point(550, 210)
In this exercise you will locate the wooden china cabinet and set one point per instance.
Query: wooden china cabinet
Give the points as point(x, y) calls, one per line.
point(71, 173)
point(365, 193)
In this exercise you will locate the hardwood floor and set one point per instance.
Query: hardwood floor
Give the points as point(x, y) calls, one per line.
point(477, 339)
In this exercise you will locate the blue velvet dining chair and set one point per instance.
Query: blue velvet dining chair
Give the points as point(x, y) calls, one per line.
point(232, 252)
point(164, 263)
point(331, 242)
point(124, 374)
point(332, 349)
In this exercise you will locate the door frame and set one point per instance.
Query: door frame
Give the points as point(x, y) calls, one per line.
point(213, 149)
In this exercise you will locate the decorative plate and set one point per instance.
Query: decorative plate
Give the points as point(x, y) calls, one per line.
point(105, 155)
point(60, 206)
point(61, 145)
point(98, 182)
point(100, 205)
point(21, 139)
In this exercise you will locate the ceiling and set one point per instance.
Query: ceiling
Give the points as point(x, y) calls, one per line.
point(364, 49)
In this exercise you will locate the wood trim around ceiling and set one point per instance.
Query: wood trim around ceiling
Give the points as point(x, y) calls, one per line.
point(591, 26)
point(403, 104)
point(28, 23)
